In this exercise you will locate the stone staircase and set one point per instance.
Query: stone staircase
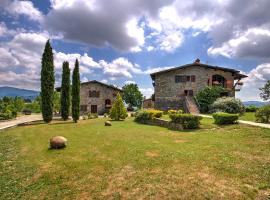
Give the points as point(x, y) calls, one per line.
point(191, 106)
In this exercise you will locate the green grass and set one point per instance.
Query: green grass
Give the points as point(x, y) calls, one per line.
point(248, 116)
point(133, 161)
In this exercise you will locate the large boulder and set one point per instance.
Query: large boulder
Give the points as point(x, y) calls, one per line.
point(58, 142)
point(108, 123)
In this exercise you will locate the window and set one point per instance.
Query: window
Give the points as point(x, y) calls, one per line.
point(107, 102)
point(193, 78)
point(183, 79)
point(180, 79)
point(94, 94)
point(83, 108)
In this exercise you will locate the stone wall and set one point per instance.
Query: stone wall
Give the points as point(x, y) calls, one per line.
point(105, 92)
point(169, 95)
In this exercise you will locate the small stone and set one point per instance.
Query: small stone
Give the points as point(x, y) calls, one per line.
point(108, 123)
point(58, 142)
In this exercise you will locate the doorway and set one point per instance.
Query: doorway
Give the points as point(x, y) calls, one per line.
point(93, 108)
point(188, 92)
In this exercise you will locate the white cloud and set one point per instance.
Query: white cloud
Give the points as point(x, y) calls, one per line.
point(254, 42)
point(256, 79)
point(24, 8)
point(147, 92)
point(119, 67)
point(3, 29)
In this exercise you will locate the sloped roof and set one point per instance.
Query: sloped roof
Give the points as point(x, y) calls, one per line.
point(104, 84)
point(236, 72)
point(94, 81)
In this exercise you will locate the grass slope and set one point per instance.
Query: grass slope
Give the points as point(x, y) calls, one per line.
point(132, 161)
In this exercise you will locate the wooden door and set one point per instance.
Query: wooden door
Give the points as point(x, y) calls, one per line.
point(93, 108)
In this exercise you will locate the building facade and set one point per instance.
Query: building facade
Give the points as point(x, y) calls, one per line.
point(172, 85)
point(97, 97)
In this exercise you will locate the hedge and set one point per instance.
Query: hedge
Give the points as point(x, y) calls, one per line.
point(188, 121)
point(225, 118)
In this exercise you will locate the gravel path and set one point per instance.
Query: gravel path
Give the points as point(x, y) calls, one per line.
point(19, 120)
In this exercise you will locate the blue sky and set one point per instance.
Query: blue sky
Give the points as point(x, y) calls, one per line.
point(124, 41)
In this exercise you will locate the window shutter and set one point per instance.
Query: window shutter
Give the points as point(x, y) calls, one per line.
point(193, 78)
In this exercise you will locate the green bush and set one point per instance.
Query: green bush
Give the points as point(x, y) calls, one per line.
point(188, 121)
point(143, 116)
point(6, 115)
point(251, 108)
point(207, 96)
point(228, 105)
point(263, 114)
point(155, 113)
point(225, 118)
point(92, 115)
point(171, 112)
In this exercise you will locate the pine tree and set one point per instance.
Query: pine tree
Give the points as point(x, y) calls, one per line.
point(76, 92)
point(47, 83)
point(65, 91)
point(118, 110)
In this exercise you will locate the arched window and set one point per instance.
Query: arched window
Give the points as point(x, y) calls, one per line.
point(219, 80)
point(107, 102)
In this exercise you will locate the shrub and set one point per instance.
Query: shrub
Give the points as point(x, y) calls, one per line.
point(118, 110)
point(6, 115)
point(207, 96)
point(225, 118)
point(188, 121)
point(155, 113)
point(251, 108)
point(171, 112)
point(228, 105)
point(92, 115)
point(263, 114)
point(143, 116)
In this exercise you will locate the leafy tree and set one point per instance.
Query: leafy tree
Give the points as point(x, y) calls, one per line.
point(265, 91)
point(65, 91)
point(132, 95)
point(207, 96)
point(47, 83)
point(56, 102)
point(18, 103)
point(118, 110)
point(76, 92)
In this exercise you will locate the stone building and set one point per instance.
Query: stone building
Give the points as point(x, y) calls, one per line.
point(97, 97)
point(148, 103)
point(174, 87)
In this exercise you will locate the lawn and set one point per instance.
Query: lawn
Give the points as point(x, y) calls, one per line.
point(133, 161)
point(248, 116)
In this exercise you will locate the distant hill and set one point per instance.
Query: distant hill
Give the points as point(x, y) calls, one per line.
point(256, 103)
point(13, 92)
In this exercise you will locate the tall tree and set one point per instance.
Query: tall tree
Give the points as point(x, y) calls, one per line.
point(65, 91)
point(47, 83)
point(132, 95)
point(265, 91)
point(76, 92)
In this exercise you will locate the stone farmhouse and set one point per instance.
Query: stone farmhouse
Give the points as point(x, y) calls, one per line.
point(174, 88)
point(97, 97)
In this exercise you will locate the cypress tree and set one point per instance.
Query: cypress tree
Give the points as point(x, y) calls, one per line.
point(65, 91)
point(76, 92)
point(47, 83)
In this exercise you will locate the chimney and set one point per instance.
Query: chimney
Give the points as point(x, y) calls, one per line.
point(197, 61)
